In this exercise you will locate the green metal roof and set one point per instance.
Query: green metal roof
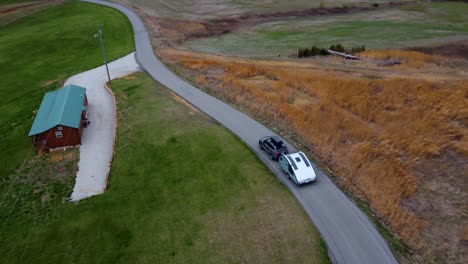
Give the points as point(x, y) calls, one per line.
point(61, 107)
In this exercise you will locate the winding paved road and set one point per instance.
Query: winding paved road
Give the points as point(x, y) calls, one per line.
point(348, 233)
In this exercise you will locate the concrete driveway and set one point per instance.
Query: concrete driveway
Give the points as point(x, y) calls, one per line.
point(98, 139)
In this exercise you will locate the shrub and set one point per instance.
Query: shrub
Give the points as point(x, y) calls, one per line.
point(339, 48)
point(358, 49)
point(323, 52)
point(300, 53)
point(314, 51)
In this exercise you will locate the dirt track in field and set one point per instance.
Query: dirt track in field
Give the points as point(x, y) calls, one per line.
point(177, 31)
point(12, 12)
point(21, 6)
point(222, 26)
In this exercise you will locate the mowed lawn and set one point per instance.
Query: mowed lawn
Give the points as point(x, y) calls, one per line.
point(182, 189)
point(38, 53)
point(395, 28)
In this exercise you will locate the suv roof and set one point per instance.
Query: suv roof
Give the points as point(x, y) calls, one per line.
point(277, 141)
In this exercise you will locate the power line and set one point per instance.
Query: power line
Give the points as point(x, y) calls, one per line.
point(99, 36)
point(32, 170)
point(35, 217)
point(19, 171)
point(12, 181)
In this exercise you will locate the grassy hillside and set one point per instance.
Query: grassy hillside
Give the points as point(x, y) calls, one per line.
point(392, 28)
point(174, 196)
point(196, 10)
point(37, 54)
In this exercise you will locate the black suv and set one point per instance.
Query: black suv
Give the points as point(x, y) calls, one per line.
point(273, 146)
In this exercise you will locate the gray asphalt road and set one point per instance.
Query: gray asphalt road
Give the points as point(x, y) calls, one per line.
point(348, 233)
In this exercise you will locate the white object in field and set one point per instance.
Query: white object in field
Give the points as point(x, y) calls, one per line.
point(298, 167)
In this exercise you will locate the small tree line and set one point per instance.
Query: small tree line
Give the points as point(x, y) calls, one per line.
point(314, 51)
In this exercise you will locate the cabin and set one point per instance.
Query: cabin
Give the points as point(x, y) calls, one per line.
point(60, 119)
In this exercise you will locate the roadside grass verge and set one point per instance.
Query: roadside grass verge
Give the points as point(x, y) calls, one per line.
point(37, 54)
point(392, 28)
point(181, 189)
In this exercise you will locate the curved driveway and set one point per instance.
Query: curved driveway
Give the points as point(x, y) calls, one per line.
point(97, 143)
point(348, 233)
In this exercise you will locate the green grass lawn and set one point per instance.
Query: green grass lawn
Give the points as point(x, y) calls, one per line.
point(182, 189)
point(394, 28)
point(38, 53)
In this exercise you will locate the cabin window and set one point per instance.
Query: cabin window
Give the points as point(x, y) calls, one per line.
point(58, 134)
point(60, 128)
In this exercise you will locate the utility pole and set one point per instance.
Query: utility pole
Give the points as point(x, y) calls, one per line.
point(99, 35)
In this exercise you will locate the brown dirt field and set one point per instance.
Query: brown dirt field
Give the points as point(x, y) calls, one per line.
point(463, 1)
point(457, 50)
point(15, 7)
point(395, 136)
